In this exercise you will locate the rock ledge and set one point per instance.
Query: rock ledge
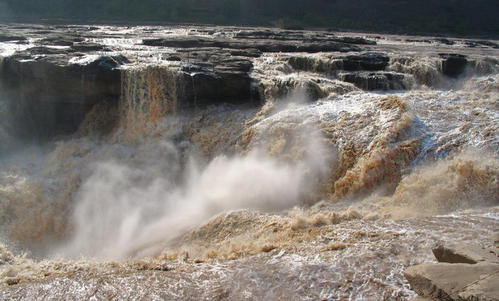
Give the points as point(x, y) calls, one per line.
point(464, 272)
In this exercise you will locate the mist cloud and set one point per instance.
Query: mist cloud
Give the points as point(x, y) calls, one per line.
point(124, 210)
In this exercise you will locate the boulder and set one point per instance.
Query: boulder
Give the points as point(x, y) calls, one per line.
point(486, 288)
point(11, 38)
point(88, 47)
point(495, 239)
point(60, 40)
point(459, 253)
point(261, 45)
point(446, 281)
point(445, 41)
point(63, 73)
point(464, 272)
point(43, 50)
point(52, 96)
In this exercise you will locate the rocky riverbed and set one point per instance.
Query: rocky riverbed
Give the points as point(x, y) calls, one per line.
point(68, 69)
point(201, 162)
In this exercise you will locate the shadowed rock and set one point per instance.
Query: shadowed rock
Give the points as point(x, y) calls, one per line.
point(457, 253)
point(453, 65)
point(446, 281)
point(464, 272)
point(370, 81)
point(366, 61)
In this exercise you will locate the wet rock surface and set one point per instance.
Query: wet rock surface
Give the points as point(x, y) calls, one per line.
point(58, 73)
point(366, 61)
point(464, 272)
point(445, 281)
point(459, 253)
point(262, 45)
point(174, 104)
point(57, 97)
point(8, 38)
point(369, 81)
point(453, 65)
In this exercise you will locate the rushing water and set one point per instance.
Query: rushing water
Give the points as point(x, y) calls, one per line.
point(299, 200)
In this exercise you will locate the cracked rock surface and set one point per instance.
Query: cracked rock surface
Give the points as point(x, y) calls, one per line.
point(464, 272)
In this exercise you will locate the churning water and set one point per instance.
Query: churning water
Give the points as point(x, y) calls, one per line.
point(329, 199)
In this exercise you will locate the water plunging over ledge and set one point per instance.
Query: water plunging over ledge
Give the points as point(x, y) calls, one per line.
point(207, 163)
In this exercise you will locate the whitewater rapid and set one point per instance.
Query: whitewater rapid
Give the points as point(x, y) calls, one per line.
point(297, 198)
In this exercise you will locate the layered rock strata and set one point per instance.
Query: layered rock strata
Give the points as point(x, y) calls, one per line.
point(53, 75)
point(464, 272)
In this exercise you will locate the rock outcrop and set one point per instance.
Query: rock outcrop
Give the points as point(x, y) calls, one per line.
point(464, 272)
point(370, 61)
point(446, 281)
point(262, 45)
point(53, 75)
point(366, 70)
point(370, 81)
point(49, 98)
point(453, 65)
point(459, 253)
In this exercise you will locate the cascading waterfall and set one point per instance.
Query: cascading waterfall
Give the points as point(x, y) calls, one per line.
point(326, 190)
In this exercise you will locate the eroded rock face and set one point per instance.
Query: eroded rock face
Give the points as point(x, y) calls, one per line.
point(53, 75)
point(370, 81)
point(9, 38)
point(214, 75)
point(458, 253)
point(366, 61)
point(464, 272)
point(48, 98)
point(453, 64)
point(445, 281)
point(267, 41)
